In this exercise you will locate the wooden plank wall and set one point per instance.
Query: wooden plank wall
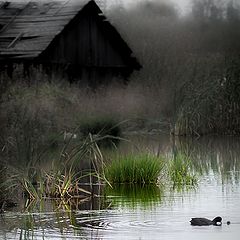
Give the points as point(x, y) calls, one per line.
point(86, 42)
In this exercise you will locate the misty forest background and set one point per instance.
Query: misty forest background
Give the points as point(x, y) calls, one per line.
point(189, 83)
point(190, 62)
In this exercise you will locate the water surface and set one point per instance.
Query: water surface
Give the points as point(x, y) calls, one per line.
point(146, 212)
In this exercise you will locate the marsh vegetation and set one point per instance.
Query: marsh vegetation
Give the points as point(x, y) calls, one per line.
point(190, 62)
point(125, 208)
point(64, 172)
point(72, 144)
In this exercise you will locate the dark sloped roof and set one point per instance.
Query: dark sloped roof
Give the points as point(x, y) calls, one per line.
point(28, 27)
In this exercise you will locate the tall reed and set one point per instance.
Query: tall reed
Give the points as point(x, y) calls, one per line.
point(137, 169)
point(180, 170)
point(62, 178)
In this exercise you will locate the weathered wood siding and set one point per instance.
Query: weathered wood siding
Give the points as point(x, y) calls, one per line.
point(86, 42)
point(67, 38)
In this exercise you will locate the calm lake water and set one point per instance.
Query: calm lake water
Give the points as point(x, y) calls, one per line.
point(146, 212)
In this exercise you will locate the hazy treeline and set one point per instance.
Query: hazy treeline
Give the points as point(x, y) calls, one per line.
point(190, 62)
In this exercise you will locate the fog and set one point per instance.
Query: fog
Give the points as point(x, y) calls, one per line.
point(182, 6)
point(189, 52)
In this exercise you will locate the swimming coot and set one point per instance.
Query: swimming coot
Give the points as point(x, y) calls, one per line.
point(217, 221)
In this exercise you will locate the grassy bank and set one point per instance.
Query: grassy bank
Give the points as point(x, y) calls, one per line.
point(196, 106)
point(50, 108)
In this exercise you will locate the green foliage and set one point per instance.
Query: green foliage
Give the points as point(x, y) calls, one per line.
point(137, 169)
point(180, 170)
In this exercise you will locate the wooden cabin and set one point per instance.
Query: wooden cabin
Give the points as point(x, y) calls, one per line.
point(71, 38)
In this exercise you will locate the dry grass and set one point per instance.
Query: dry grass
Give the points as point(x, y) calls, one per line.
point(53, 108)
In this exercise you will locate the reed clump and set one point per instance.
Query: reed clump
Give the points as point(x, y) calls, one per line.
point(134, 169)
point(180, 170)
point(61, 178)
point(210, 105)
point(150, 169)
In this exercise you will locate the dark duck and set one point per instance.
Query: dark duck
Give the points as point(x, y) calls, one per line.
point(217, 221)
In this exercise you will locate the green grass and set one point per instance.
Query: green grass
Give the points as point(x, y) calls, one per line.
point(137, 169)
point(180, 170)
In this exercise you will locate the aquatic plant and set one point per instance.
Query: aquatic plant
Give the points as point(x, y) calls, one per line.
point(180, 170)
point(138, 169)
point(66, 185)
point(62, 178)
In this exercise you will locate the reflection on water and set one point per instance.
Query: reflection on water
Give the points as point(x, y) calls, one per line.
point(145, 212)
point(220, 156)
point(132, 196)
